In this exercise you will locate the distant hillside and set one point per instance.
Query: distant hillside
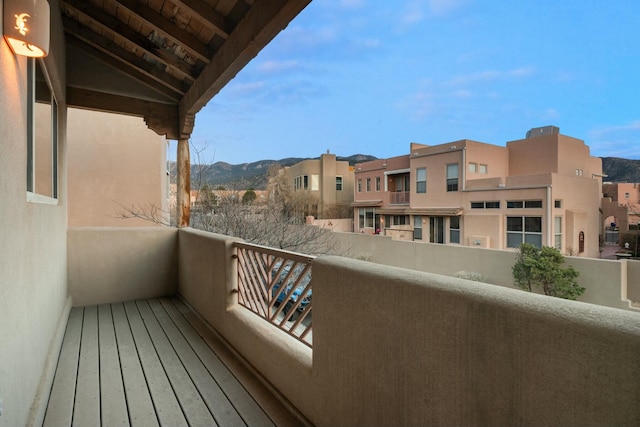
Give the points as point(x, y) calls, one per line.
point(621, 170)
point(246, 175)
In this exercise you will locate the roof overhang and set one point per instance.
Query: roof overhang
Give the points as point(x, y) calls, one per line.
point(163, 60)
point(366, 203)
point(420, 211)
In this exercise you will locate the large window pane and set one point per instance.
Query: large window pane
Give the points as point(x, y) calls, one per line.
point(514, 223)
point(533, 224)
point(534, 239)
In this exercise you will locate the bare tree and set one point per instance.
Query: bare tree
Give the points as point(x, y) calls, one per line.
point(278, 223)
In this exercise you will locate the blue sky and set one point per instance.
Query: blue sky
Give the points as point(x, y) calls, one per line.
point(357, 76)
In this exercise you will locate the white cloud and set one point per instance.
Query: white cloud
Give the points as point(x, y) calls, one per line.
point(273, 66)
point(617, 141)
point(489, 75)
point(418, 10)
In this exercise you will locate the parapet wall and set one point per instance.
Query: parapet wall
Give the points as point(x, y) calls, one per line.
point(393, 346)
point(610, 283)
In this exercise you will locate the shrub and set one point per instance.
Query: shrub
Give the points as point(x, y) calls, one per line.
point(542, 268)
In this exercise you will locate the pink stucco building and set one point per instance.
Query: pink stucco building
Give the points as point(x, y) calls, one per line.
point(543, 189)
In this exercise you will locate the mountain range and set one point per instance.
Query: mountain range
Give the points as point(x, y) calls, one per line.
point(254, 175)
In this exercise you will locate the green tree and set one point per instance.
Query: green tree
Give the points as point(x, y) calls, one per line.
point(249, 196)
point(542, 268)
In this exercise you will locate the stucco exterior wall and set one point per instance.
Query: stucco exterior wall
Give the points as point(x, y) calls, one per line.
point(400, 347)
point(121, 264)
point(608, 282)
point(421, 349)
point(33, 269)
point(327, 168)
point(115, 164)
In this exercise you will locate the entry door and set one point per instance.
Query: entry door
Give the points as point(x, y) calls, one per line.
point(436, 229)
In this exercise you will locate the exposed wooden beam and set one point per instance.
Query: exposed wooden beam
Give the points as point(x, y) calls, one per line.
point(118, 29)
point(123, 67)
point(161, 118)
point(261, 24)
point(114, 50)
point(167, 28)
point(207, 15)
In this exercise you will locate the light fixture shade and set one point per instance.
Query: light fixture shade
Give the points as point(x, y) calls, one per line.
point(27, 26)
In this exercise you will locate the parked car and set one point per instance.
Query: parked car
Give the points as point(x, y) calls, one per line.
point(283, 286)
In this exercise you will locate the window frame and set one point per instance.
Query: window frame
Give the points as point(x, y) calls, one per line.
point(32, 179)
point(452, 183)
point(421, 184)
point(339, 183)
point(526, 235)
point(454, 229)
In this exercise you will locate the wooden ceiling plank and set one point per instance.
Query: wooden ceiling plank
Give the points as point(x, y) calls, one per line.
point(117, 52)
point(261, 24)
point(124, 68)
point(167, 28)
point(117, 28)
point(207, 15)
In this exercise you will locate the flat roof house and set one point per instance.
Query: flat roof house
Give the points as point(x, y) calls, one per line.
point(325, 184)
point(175, 326)
point(543, 189)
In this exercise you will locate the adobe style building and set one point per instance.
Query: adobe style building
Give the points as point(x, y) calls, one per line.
point(132, 157)
point(544, 190)
point(325, 183)
point(620, 208)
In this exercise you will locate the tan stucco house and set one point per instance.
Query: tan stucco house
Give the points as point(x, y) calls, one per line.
point(620, 208)
point(543, 189)
point(326, 182)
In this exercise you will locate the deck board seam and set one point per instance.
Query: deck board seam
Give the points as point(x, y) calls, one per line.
point(162, 361)
point(182, 363)
point(117, 351)
point(212, 374)
point(142, 367)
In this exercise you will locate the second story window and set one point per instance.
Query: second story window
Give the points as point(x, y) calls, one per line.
point(452, 177)
point(377, 183)
point(338, 183)
point(421, 180)
point(359, 186)
point(368, 184)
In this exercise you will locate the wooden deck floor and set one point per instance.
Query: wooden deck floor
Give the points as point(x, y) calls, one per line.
point(150, 363)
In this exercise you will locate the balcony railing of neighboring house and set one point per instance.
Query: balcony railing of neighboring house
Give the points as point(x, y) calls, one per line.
point(276, 285)
point(399, 198)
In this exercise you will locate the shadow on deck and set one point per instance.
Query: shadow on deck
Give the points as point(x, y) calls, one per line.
point(153, 362)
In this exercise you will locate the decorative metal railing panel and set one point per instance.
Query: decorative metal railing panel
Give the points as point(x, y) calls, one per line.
point(276, 285)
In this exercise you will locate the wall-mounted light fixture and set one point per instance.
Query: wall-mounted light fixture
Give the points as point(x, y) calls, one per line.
point(27, 26)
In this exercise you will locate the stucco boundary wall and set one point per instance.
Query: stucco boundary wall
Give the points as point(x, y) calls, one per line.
point(610, 283)
point(395, 346)
point(120, 264)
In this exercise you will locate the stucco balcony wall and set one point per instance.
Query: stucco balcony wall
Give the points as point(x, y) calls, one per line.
point(393, 346)
point(120, 264)
point(400, 347)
